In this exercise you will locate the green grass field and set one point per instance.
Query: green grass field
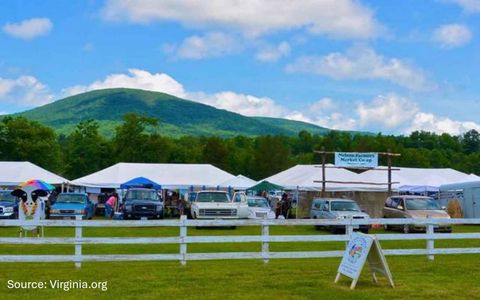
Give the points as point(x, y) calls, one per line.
point(451, 276)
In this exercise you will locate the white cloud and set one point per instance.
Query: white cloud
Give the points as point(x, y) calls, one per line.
point(211, 44)
point(246, 105)
point(135, 79)
point(270, 53)
point(336, 18)
point(29, 29)
point(390, 111)
point(432, 123)
point(24, 91)
point(325, 113)
point(452, 35)
point(363, 63)
point(469, 6)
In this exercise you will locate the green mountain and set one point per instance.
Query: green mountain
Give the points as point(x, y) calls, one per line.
point(177, 116)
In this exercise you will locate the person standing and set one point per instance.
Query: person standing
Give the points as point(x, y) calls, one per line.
point(286, 205)
point(110, 205)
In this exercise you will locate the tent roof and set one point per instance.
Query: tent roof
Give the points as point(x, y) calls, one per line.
point(420, 176)
point(265, 186)
point(304, 177)
point(239, 182)
point(15, 172)
point(170, 176)
point(140, 182)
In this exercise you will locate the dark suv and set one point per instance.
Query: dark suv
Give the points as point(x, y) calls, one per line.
point(142, 203)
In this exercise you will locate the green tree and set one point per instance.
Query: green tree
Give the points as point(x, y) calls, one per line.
point(131, 140)
point(86, 151)
point(271, 156)
point(215, 152)
point(471, 141)
point(24, 140)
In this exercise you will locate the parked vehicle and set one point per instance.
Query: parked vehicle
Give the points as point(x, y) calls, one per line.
point(258, 208)
point(337, 209)
point(415, 207)
point(142, 203)
point(69, 205)
point(8, 205)
point(217, 205)
point(100, 208)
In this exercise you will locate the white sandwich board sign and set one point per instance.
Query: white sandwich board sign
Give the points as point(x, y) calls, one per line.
point(356, 160)
point(360, 249)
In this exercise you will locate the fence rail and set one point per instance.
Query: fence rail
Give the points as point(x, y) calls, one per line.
point(264, 239)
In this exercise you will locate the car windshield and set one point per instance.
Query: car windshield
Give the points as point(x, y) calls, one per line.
point(422, 204)
point(257, 202)
point(150, 195)
point(70, 199)
point(212, 197)
point(344, 206)
point(7, 197)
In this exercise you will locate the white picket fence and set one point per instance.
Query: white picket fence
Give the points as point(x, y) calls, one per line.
point(264, 238)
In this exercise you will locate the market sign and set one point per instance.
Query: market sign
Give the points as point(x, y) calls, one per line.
point(356, 159)
point(360, 249)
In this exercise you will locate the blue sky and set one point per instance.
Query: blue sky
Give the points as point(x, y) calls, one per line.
point(383, 66)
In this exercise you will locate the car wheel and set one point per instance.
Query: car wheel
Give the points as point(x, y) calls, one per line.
point(406, 228)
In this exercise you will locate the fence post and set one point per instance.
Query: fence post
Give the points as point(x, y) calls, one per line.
point(265, 238)
point(78, 245)
point(430, 240)
point(349, 228)
point(183, 244)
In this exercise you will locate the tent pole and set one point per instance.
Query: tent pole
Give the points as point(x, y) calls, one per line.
point(323, 171)
point(389, 159)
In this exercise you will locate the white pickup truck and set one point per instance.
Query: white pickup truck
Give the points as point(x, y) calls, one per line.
point(217, 205)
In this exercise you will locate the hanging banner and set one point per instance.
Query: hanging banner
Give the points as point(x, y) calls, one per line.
point(356, 159)
point(360, 249)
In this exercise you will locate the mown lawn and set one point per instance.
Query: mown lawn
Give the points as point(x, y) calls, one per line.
point(449, 276)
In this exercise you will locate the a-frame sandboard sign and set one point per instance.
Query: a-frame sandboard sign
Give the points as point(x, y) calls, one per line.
point(361, 248)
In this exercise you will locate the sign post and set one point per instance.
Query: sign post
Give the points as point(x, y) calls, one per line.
point(360, 249)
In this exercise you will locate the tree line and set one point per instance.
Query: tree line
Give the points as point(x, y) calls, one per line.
point(138, 139)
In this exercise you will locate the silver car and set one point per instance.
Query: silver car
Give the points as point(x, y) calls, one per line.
point(337, 209)
point(414, 207)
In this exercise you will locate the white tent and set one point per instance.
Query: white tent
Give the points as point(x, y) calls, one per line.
point(13, 173)
point(303, 177)
point(169, 176)
point(239, 182)
point(421, 177)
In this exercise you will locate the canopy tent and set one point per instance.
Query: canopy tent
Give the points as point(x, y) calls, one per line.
point(307, 177)
point(140, 182)
point(170, 176)
point(419, 177)
point(265, 186)
point(13, 173)
point(239, 182)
